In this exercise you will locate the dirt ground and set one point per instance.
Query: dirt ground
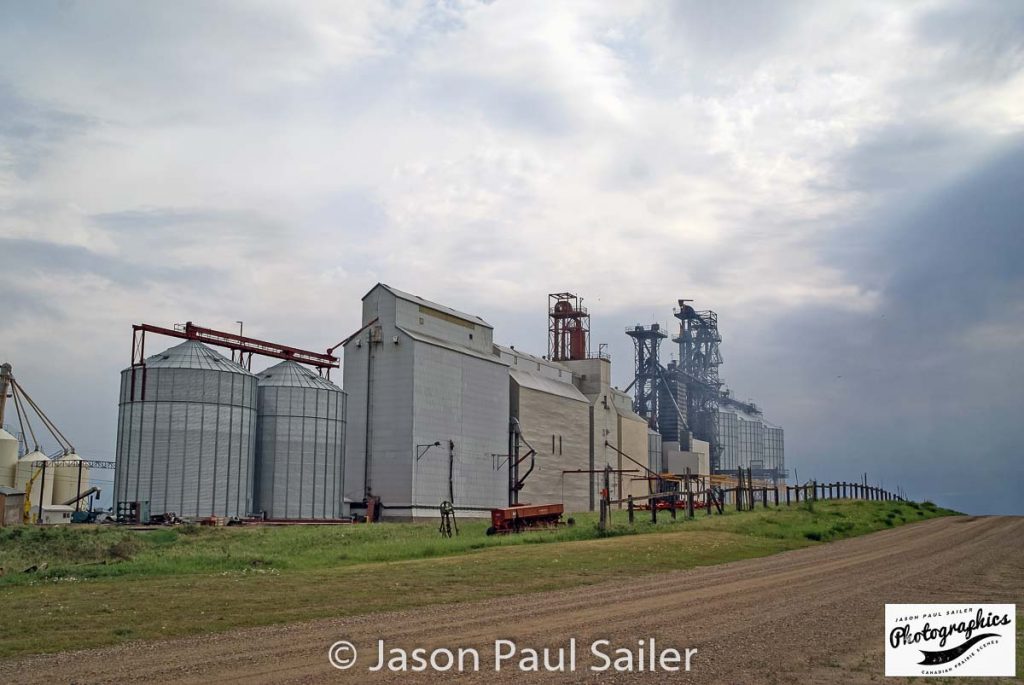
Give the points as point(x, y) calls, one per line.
point(811, 615)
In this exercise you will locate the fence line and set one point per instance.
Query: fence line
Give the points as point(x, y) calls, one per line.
point(745, 496)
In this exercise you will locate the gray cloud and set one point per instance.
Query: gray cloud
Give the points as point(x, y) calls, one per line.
point(919, 390)
point(39, 259)
point(980, 40)
point(29, 132)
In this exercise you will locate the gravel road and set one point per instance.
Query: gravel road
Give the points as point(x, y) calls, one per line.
point(810, 615)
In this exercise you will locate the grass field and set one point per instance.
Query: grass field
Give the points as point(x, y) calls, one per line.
point(103, 585)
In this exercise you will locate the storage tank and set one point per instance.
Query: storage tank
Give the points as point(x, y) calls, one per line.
point(300, 444)
point(70, 477)
point(8, 458)
point(186, 434)
point(655, 457)
point(43, 484)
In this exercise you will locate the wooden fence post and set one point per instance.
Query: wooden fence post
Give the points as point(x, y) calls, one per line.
point(753, 491)
point(689, 495)
point(629, 506)
point(739, 488)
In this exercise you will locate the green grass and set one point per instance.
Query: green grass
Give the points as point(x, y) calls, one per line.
point(146, 584)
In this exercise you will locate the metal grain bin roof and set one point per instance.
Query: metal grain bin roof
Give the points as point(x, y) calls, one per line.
point(289, 374)
point(192, 354)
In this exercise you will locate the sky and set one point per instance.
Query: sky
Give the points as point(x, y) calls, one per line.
point(840, 181)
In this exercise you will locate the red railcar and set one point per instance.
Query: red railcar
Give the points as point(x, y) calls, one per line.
point(520, 517)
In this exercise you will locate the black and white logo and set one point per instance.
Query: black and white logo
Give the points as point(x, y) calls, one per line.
point(950, 640)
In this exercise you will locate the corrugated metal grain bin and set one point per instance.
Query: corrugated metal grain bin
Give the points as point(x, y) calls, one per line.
point(655, 460)
point(300, 444)
point(186, 434)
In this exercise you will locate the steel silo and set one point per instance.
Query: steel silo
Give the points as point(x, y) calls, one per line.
point(300, 444)
point(185, 435)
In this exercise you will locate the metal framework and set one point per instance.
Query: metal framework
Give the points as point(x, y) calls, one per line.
point(568, 327)
point(648, 371)
point(24, 406)
point(245, 348)
point(516, 480)
point(78, 464)
point(697, 371)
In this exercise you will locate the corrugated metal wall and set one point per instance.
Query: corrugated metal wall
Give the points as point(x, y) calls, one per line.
point(748, 438)
point(433, 380)
point(557, 428)
point(187, 444)
point(300, 444)
point(464, 399)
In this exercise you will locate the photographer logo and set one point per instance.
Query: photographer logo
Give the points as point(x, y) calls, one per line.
point(950, 640)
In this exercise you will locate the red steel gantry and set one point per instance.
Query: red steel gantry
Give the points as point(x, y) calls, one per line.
point(236, 342)
point(568, 328)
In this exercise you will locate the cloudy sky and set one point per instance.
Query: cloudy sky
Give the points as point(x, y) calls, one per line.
point(842, 182)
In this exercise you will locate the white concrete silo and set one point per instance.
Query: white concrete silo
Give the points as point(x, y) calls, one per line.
point(42, 487)
point(8, 458)
point(70, 477)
